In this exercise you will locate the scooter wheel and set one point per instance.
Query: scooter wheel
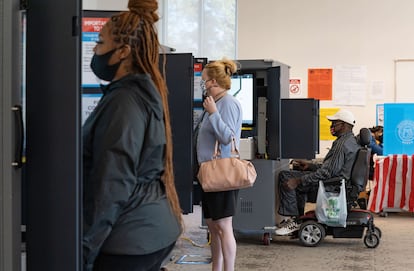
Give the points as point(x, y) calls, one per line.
point(371, 240)
point(375, 230)
point(311, 233)
point(378, 232)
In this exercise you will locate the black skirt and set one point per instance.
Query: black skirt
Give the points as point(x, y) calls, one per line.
point(217, 205)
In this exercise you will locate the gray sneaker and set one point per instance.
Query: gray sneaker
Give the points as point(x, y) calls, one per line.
point(282, 223)
point(288, 227)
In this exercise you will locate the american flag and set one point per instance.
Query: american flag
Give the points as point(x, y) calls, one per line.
point(393, 178)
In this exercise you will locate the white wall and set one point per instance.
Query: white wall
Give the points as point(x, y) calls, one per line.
point(326, 33)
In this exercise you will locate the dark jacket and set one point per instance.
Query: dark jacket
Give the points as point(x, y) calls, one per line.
point(375, 149)
point(338, 161)
point(125, 208)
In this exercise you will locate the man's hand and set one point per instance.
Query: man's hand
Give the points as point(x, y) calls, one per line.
point(291, 184)
point(300, 165)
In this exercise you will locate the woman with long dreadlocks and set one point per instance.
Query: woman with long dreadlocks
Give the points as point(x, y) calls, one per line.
point(132, 216)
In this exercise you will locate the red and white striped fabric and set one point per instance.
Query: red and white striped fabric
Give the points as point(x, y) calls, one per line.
point(393, 179)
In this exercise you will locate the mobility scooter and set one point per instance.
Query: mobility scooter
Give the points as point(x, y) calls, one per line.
point(359, 222)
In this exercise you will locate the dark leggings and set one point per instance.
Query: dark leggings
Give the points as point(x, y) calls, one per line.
point(149, 262)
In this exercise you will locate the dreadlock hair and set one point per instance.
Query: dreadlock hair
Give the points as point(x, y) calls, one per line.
point(136, 28)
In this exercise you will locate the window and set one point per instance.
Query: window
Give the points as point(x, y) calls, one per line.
point(206, 28)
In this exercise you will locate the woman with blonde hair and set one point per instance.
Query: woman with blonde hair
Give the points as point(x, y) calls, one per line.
point(222, 122)
point(131, 217)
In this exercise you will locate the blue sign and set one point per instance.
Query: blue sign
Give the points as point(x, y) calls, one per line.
point(398, 128)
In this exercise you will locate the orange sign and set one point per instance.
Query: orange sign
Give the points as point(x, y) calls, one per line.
point(320, 84)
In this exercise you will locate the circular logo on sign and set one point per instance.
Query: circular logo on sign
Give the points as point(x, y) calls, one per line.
point(294, 89)
point(405, 131)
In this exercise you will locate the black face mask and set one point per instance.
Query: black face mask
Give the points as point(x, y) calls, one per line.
point(100, 67)
point(380, 138)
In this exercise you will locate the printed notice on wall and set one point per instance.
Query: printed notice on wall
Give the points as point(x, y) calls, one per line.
point(90, 34)
point(320, 84)
point(89, 102)
point(377, 91)
point(198, 93)
point(380, 114)
point(350, 85)
point(295, 88)
point(325, 124)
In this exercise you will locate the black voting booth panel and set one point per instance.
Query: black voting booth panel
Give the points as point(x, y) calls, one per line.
point(300, 128)
point(197, 105)
point(180, 83)
point(277, 88)
point(292, 125)
point(291, 131)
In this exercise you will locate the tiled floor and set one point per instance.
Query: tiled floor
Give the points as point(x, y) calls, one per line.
point(395, 251)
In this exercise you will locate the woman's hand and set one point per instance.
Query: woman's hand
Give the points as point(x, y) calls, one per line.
point(209, 105)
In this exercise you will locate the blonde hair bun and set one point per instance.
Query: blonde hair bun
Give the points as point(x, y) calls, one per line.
point(230, 66)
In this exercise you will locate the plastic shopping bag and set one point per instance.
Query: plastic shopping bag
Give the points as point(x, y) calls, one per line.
point(331, 207)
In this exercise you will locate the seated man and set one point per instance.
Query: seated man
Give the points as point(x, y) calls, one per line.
point(376, 147)
point(296, 185)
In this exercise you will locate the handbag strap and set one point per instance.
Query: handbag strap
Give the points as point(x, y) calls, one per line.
point(234, 151)
point(198, 123)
